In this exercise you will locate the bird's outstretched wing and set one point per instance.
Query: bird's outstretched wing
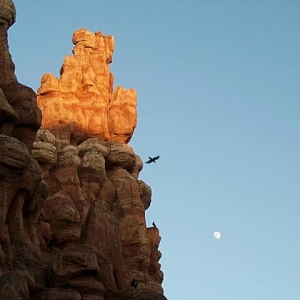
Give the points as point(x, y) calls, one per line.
point(152, 159)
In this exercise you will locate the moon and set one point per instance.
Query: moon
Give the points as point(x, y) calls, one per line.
point(217, 235)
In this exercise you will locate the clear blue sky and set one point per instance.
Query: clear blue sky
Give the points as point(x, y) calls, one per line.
point(218, 99)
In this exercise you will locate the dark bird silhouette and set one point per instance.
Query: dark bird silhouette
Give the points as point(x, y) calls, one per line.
point(134, 284)
point(154, 225)
point(152, 159)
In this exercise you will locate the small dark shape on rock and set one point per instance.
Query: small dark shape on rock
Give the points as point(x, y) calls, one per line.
point(134, 284)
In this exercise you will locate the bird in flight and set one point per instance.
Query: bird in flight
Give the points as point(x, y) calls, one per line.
point(152, 159)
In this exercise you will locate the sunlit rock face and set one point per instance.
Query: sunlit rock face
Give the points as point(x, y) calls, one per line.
point(72, 222)
point(96, 203)
point(82, 102)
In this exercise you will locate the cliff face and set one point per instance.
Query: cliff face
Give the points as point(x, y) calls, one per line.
point(72, 223)
point(22, 190)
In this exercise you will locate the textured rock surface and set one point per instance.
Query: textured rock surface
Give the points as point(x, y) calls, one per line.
point(22, 191)
point(72, 222)
point(82, 102)
point(19, 115)
point(7, 18)
point(96, 209)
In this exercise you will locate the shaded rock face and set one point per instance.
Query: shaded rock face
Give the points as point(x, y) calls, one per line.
point(82, 102)
point(19, 115)
point(22, 190)
point(72, 222)
point(95, 216)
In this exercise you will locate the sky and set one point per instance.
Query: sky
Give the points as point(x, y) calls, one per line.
point(218, 99)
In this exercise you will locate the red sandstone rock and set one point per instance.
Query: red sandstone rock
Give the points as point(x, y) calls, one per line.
point(22, 190)
point(131, 294)
point(7, 18)
point(82, 102)
point(96, 199)
point(19, 115)
point(57, 293)
point(72, 222)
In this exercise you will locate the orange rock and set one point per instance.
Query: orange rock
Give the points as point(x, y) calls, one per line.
point(82, 102)
point(72, 222)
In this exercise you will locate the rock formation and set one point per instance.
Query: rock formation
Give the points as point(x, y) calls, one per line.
point(22, 189)
point(83, 100)
point(72, 222)
point(95, 214)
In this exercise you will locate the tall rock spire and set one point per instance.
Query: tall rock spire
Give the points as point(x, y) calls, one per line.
point(7, 18)
point(22, 190)
point(20, 116)
point(82, 102)
point(96, 203)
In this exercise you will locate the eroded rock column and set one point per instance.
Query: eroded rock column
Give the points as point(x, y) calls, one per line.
point(82, 101)
point(22, 190)
point(96, 204)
